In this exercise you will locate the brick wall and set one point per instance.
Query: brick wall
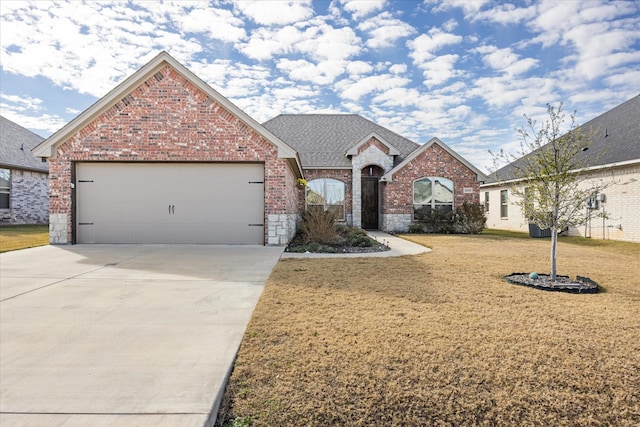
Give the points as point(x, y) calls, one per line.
point(29, 199)
point(167, 118)
point(397, 203)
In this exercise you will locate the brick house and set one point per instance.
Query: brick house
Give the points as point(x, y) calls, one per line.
point(24, 190)
point(612, 158)
point(164, 158)
point(373, 177)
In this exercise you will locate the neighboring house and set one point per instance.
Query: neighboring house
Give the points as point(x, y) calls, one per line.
point(24, 190)
point(372, 177)
point(164, 158)
point(613, 158)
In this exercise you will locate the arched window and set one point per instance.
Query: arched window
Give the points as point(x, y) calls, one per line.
point(432, 194)
point(328, 194)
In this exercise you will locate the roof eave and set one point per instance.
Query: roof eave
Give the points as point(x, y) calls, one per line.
point(5, 165)
point(586, 169)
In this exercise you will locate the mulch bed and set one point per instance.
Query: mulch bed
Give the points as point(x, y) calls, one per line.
point(579, 285)
point(341, 249)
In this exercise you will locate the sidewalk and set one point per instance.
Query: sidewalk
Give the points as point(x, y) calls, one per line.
point(399, 247)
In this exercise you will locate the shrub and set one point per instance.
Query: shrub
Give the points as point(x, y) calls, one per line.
point(470, 218)
point(416, 227)
point(319, 226)
point(438, 222)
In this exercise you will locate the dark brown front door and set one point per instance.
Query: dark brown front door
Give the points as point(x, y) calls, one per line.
point(370, 203)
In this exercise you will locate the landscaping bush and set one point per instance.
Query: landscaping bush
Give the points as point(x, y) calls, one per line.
point(470, 218)
point(320, 233)
point(416, 227)
point(438, 222)
point(319, 226)
point(467, 219)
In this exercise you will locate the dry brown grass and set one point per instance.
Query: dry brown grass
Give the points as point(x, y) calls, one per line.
point(14, 237)
point(441, 339)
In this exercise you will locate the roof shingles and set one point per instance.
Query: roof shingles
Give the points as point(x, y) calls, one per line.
point(322, 140)
point(616, 140)
point(16, 143)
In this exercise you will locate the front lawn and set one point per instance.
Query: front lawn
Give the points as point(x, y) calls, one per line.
point(441, 339)
point(13, 237)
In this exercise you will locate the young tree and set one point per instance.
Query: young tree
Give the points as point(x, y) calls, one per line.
point(548, 177)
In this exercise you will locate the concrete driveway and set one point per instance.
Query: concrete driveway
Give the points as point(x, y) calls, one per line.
point(123, 335)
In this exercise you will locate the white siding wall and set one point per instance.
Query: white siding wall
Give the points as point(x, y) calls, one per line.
point(621, 205)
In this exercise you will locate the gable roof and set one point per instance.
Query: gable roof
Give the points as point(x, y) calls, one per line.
point(393, 151)
point(16, 144)
point(48, 147)
point(616, 142)
point(480, 176)
point(322, 140)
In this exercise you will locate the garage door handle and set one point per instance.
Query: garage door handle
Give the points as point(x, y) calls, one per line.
point(173, 209)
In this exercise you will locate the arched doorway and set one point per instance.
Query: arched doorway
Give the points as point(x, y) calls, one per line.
point(370, 205)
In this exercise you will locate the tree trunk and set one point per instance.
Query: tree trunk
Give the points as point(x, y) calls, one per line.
point(554, 250)
point(554, 228)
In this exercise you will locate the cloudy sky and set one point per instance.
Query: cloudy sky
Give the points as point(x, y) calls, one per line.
point(462, 70)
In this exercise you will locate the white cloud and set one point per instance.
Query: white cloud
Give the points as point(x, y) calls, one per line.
point(354, 90)
point(470, 7)
point(424, 47)
point(21, 103)
point(28, 113)
point(504, 91)
point(357, 68)
point(324, 42)
point(450, 25)
point(385, 30)
point(89, 47)
point(625, 78)
point(264, 43)
point(323, 73)
point(360, 8)
point(276, 12)
point(398, 68)
point(439, 70)
point(218, 24)
point(506, 60)
point(398, 97)
point(505, 14)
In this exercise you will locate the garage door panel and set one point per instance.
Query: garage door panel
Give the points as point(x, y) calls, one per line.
point(170, 203)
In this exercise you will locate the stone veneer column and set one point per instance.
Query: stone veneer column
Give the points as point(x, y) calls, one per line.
point(372, 155)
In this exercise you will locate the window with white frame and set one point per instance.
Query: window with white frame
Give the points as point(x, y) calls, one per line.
point(432, 194)
point(486, 201)
point(328, 194)
point(504, 204)
point(5, 188)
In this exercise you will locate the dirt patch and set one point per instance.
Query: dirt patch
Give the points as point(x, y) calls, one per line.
point(438, 339)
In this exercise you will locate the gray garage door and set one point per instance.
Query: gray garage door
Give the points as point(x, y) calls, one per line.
point(215, 203)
